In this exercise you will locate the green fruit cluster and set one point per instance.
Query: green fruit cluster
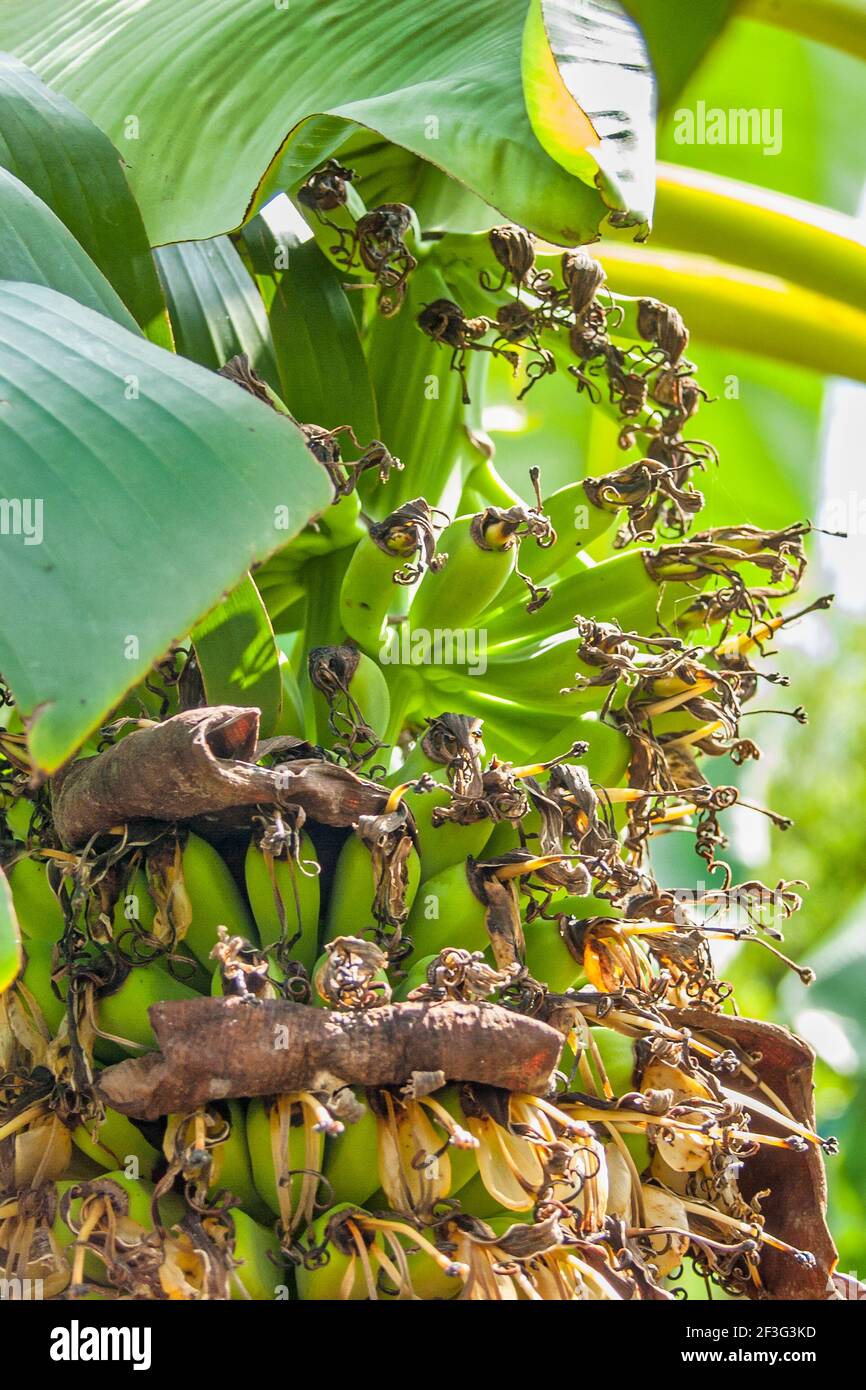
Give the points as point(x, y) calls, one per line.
point(527, 719)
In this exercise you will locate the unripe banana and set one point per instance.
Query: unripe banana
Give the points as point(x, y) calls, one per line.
point(291, 720)
point(447, 913)
point(283, 1140)
point(137, 1221)
point(294, 887)
point(548, 957)
point(450, 752)
point(536, 676)
point(664, 1209)
point(36, 980)
point(259, 1274)
point(114, 1141)
point(231, 1169)
point(414, 978)
point(481, 556)
point(123, 1012)
point(577, 522)
point(351, 702)
point(327, 1281)
point(351, 1164)
point(619, 590)
point(616, 1051)
point(214, 900)
point(350, 909)
point(39, 913)
point(383, 560)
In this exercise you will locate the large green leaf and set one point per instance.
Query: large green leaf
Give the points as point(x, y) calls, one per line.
point(237, 656)
point(677, 36)
point(151, 486)
point(71, 165)
point(215, 309)
point(37, 248)
point(216, 86)
point(10, 936)
point(324, 377)
point(590, 96)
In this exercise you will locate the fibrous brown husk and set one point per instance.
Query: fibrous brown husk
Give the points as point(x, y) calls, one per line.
point(796, 1206)
point(216, 1049)
point(199, 763)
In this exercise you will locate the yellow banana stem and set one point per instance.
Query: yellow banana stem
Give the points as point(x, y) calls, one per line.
point(673, 701)
point(705, 731)
point(508, 871)
point(784, 321)
point(841, 23)
point(767, 232)
point(675, 813)
point(21, 1121)
point(744, 641)
point(396, 797)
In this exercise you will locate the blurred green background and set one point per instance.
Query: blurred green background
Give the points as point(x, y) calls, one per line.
point(789, 444)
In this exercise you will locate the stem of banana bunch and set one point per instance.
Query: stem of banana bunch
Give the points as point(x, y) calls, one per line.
point(322, 577)
point(841, 23)
point(739, 224)
point(405, 689)
point(484, 480)
point(741, 310)
point(733, 306)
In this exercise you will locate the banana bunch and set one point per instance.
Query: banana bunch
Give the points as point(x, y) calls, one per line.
point(525, 719)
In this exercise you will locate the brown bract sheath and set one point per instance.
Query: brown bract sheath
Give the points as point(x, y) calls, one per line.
point(215, 1049)
point(796, 1202)
point(199, 763)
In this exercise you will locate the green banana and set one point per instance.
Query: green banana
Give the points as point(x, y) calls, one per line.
point(114, 1142)
point(286, 1135)
point(234, 1171)
point(450, 751)
point(139, 1191)
point(538, 677)
point(123, 1012)
point(345, 1231)
point(214, 900)
point(36, 980)
point(548, 958)
point(619, 589)
point(37, 908)
point(259, 1272)
point(223, 1128)
point(351, 1166)
point(446, 912)
point(294, 889)
point(577, 522)
point(383, 562)
point(351, 701)
point(413, 979)
point(481, 555)
point(350, 908)
point(291, 720)
point(326, 1281)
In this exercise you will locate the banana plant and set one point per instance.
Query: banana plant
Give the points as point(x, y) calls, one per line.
point(328, 700)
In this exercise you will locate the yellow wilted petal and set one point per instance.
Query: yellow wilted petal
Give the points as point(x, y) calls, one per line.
point(664, 1209)
point(42, 1152)
point(503, 1160)
point(417, 1137)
